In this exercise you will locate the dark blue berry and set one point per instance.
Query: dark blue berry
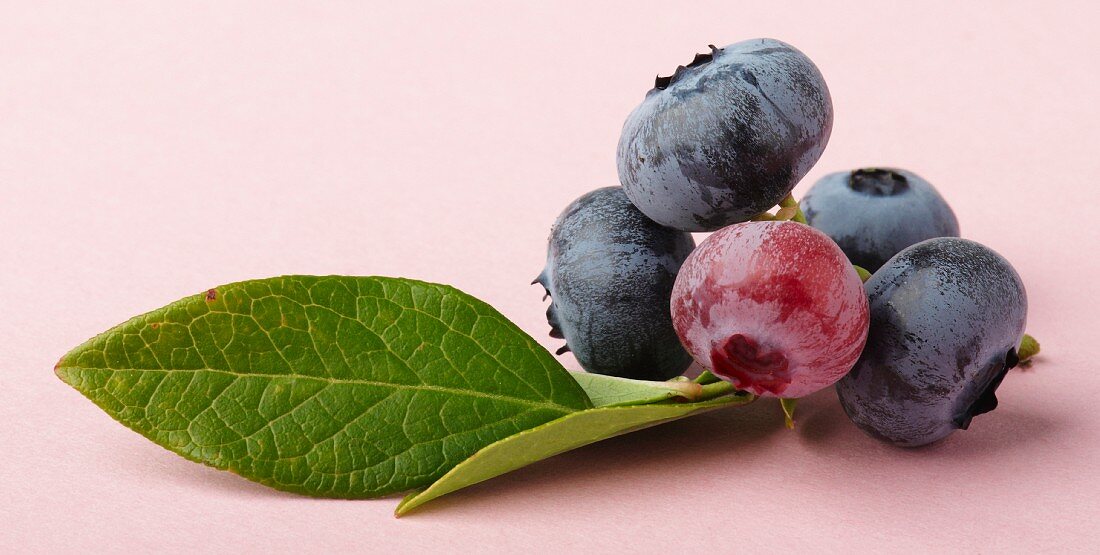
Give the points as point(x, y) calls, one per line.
point(875, 213)
point(946, 317)
point(726, 137)
point(610, 271)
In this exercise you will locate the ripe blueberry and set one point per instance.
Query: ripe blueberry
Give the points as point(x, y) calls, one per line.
point(875, 213)
point(773, 307)
point(609, 271)
point(726, 137)
point(946, 316)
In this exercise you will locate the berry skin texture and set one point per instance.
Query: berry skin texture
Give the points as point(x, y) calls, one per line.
point(875, 213)
point(772, 307)
point(946, 316)
point(726, 137)
point(610, 271)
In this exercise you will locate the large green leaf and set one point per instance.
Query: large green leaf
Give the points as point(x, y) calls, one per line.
point(566, 433)
point(328, 386)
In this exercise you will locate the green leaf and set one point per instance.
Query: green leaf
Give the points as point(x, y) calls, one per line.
point(328, 386)
point(609, 391)
point(566, 433)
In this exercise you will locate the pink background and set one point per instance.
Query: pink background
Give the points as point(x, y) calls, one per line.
point(150, 151)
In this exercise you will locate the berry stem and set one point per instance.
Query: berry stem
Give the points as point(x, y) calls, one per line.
point(711, 386)
point(788, 410)
point(715, 389)
point(706, 377)
point(1028, 348)
point(789, 202)
point(864, 275)
point(786, 213)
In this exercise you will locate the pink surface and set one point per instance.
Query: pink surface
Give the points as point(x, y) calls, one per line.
point(150, 151)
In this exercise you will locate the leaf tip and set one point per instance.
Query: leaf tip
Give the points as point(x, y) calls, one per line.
point(407, 504)
point(61, 371)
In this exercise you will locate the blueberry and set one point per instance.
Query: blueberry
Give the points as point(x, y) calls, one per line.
point(726, 137)
point(610, 271)
point(875, 213)
point(946, 316)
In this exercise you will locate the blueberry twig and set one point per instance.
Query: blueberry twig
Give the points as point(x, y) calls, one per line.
point(788, 211)
point(789, 202)
point(715, 389)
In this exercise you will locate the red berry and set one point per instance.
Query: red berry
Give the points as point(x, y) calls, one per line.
point(773, 307)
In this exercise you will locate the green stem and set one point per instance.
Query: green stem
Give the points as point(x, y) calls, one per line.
point(1028, 348)
point(789, 202)
point(706, 377)
point(785, 214)
point(788, 410)
point(716, 389)
point(864, 275)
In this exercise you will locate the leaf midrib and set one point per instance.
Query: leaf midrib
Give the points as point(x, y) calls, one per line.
point(418, 387)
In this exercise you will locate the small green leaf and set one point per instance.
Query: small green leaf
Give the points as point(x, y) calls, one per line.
point(609, 391)
point(328, 386)
point(561, 435)
point(788, 411)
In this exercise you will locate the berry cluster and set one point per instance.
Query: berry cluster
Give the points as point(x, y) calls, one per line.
point(773, 305)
